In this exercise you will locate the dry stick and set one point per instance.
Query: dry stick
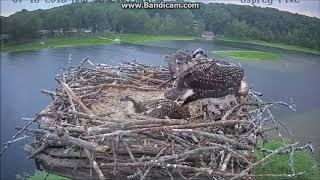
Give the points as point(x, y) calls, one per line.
point(164, 83)
point(225, 162)
point(74, 108)
point(290, 161)
point(82, 62)
point(92, 116)
point(244, 172)
point(179, 140)
point(142, 120)
point(92, 64)
point(121, 77)
point(114, 146)
point(95, 165)
point(71, 113)
point(229, 112)
point(222, 153)
point(144, 77)
point(93, 162)
point(217, 123)
point(186, 153)
point(17, 139)
point(207, 171)
point(155, 160)
point(272, 117)
point(18, 134)
point(75, 98)
point(231, 151)
point(131, 155)
point(137, 173)
point(77, 141)
point(118, 86)
point(217, 137)
point(43, 146)
point(51, 93)
point(290, 152)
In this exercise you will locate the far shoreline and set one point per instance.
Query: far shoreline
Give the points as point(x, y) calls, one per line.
point(64, 42)
point(105, 39)
point(270, 44)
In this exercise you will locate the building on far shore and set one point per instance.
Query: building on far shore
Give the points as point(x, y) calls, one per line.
point(86, 30)
point(43, 33)
point(71, 30)
point(57, 32)
point(208, 35)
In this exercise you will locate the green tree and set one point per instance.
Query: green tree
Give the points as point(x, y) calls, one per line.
point(25, 27)
point(168, 26)
point(233, 20)
point(4, 25)
point(154, 24)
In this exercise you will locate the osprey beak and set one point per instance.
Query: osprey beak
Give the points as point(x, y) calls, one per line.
point(244, 88)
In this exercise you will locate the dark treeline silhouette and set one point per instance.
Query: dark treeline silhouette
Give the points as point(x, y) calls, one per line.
point(242, 22)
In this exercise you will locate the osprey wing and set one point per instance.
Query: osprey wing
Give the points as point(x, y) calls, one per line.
point(178, 60)
point(210, 75)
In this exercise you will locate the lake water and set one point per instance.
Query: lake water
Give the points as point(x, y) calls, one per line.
point(23, 74)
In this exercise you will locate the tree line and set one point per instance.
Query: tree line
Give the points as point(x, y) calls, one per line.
point(243, 22)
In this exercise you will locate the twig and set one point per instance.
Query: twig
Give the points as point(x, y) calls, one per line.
point(244, 172)
point(155, 160)
point(18, 134)
point(95, 165)
point(43, 146)
point(75, 98)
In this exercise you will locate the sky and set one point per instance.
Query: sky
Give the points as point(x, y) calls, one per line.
point(306, 7)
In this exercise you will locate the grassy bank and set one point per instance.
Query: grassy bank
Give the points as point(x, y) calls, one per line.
point(302, 161)
point(53, 43)
point(138, 38)
point(248, 55)
point(87, 41)
point(269, 44)
point(39, 175)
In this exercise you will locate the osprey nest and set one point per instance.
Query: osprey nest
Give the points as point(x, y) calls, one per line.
point(89, 132)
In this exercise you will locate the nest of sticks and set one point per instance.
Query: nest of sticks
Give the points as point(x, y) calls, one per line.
point(85, 132)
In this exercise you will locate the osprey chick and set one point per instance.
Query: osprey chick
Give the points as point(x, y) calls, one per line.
point(160, 108)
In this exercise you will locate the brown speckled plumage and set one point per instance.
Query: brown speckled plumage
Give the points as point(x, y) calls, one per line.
point(207, 79)
point(178, 62)
point(160, 108)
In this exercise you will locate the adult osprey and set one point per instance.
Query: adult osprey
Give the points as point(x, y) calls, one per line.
point(160, 108)
point(208, 79)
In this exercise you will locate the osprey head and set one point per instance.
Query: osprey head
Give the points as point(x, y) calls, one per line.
point(198, 53)
point(126, 98)
point(244, 88)
point(130, 104)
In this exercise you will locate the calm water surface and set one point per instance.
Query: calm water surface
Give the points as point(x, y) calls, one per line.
point(23, 74)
